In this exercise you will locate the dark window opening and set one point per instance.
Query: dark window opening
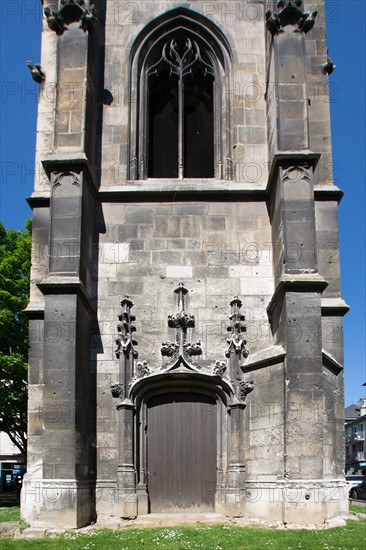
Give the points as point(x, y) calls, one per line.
point(198, 130)
point(180, 139)
point(163, 129)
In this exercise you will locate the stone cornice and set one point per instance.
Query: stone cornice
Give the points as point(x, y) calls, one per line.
point(73, 161)
point(334, 307)
point(328, 193)
point(132, 192)
point(331, 363)
point(34, 310)
point(290, 158)
point(264, 358)
point(39, 199)
point(196, 190)
point(66, 284)
point(303, 282)
point(187, 189)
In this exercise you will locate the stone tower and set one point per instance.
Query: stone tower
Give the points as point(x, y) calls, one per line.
point(185, 312)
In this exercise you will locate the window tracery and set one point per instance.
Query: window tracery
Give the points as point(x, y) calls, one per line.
point(181, 122)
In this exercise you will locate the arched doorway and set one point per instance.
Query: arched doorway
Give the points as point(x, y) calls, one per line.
point(181, 452)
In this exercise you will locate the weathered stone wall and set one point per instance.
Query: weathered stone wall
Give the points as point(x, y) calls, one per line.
point(217, 249)
point(268, 234)
point(242, 24)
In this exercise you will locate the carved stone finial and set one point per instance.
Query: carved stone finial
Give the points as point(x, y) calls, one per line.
point(181, 289)
point(193, 348)
point(143, 369)
point(237, 328)
point(290, 14)
point(328, 67)
point(71, 11)
point(169, 349)
point(244, 389)
point(307, 21)
point(181, 321)
point(125, 342)
point(282, 3)
point(273, 22)
point(219, 368)
point(236, 302)
point(117, 390)
point(37, 72)
point(55, 21)
point(88, 18)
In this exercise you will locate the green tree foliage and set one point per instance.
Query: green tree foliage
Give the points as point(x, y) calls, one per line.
point(15, 248)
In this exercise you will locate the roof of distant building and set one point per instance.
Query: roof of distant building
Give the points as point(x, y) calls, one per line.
point(352, 411)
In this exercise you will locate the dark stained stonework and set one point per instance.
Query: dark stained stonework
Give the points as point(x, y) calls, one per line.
point(290, 14)
point(230, 284)
point(71, 11)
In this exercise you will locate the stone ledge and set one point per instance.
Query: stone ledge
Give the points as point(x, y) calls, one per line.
point(264, 358)
point(34, 310)
point(293, 158)
point(66, 284)
point(328, 193)
point(336, 307)
point(211, 190)
point(331, 363)
point(302, 282)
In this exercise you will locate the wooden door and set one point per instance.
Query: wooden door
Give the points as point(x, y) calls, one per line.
point(182, 453)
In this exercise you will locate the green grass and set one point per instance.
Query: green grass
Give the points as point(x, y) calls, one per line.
point(218, 537)
point(9, 514)
point(357, 508)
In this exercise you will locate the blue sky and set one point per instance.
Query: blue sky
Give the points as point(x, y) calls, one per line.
point(20, 41)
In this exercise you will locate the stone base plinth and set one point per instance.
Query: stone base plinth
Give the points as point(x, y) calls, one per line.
point(57, 503)
point(295, 501)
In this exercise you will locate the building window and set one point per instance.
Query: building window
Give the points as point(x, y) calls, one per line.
point(180, 108)
point(180, 120)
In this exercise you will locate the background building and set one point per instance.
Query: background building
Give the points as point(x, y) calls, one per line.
point(12, 464)
point(355, 430)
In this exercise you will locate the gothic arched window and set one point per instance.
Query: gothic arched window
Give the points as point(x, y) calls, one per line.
point(180, 124)
point(180, 108)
